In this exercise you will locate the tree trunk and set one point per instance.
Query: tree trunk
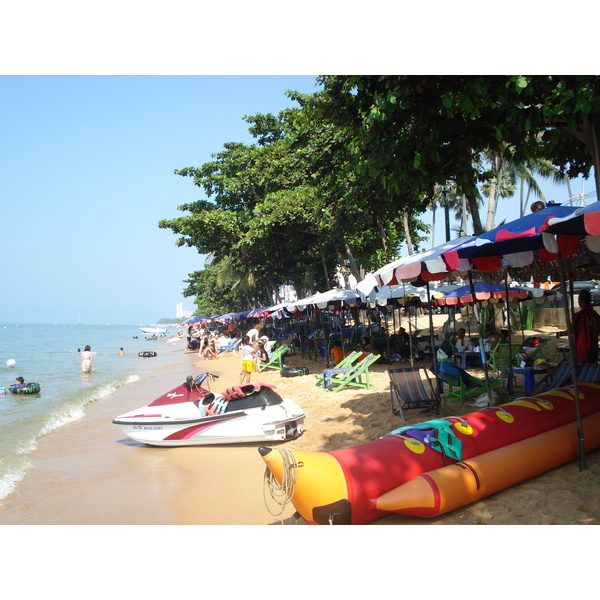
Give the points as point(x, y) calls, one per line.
point(497, 161)
point(310, 281)
point(592, 141)
point(353, 268)
point(409, 244)
point(384, 241)
point(325, 271)
point(474, 210)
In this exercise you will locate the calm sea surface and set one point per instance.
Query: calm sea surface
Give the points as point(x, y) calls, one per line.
point(47, 354)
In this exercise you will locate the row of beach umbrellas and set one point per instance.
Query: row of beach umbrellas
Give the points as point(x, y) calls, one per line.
point(554, 232)
point(550, 234)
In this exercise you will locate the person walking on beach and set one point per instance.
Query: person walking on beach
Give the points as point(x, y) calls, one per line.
point(248, 352)
point(586, 328)
point(254, 333)
point(87, 360)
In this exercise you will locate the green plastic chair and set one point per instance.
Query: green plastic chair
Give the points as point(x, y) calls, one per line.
point(460, 390)
point(276, 358)
point(358, 375)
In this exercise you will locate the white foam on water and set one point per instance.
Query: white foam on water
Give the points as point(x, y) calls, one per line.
point(9, 480)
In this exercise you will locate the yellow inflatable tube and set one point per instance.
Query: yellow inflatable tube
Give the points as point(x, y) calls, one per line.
point(321, 485)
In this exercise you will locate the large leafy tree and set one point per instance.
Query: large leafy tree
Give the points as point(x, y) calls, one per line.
point(290, 208)
point(416, 132)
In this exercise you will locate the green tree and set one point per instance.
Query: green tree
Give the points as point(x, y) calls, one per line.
point(290, 208)
point(416, 131)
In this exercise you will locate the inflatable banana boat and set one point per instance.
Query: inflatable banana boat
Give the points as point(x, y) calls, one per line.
point(437, 466)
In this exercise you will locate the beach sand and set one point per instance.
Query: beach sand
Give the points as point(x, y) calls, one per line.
point(88, 473)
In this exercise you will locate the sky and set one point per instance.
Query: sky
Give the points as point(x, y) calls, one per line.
point(87, 172)
point(100, 104)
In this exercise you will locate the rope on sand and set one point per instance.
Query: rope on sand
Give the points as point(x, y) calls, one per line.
point(281, 493)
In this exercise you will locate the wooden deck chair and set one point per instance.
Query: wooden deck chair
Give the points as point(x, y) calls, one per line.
point(411, 387)
point(276, 358)
point(346, 362)
point(559, 376)
point(538, 352)
point(357, 375)
point(462, 386)
point(504, 356)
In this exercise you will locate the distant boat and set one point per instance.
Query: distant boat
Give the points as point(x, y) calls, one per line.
point(157, 330)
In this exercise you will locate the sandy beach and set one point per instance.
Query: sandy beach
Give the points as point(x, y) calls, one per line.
point(88, 473)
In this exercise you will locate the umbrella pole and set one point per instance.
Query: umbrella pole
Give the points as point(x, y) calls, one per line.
point(573, 361)
point(433, 347)
point(410, 341)
point(510, 365)
point(485, 367)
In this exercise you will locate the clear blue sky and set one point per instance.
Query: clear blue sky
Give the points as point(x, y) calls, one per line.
point(86, 173)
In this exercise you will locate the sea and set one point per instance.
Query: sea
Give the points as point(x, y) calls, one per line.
point(48, 354)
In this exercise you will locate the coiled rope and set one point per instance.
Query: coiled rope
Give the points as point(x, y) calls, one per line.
point(281, 493)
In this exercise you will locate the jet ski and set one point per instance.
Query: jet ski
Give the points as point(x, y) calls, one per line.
point(191, 415)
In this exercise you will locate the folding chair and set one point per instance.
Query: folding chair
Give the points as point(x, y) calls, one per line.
point(357, 375)
point(231, 346)
point(346, 362)
point(462, 386)
point(504, 356)
point(588, 372)
point(538, 352)
point(276, 358)
point(559, 376)
point(411, 387)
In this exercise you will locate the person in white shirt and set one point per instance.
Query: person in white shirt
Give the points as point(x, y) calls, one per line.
point(248, 352)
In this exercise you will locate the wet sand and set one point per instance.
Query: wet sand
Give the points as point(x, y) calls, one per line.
point(88, 472)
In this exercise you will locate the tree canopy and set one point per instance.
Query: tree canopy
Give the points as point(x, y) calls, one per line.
point(337, 183)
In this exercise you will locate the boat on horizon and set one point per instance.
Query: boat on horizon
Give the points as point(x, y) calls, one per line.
point(191, 415)
point(156, 330)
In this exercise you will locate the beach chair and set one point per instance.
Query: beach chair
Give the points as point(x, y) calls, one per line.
point(588, 372)
point(504, 356)
point(537, 353)
point(357, 375)
point(559, 376)
point(347, 362)
point(231, 346)
point(462, 386)
point(275, 358)
point(411, 387)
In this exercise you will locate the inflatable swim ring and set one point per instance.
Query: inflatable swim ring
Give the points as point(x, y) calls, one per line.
point(146, 354)
point(30, 388)
point(294, 371)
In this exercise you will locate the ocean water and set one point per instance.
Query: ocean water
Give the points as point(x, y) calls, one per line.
point(48, 355)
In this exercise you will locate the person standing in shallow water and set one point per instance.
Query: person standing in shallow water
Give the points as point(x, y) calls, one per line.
point(87, 360)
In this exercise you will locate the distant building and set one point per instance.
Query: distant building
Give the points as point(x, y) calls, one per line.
point(182, 314)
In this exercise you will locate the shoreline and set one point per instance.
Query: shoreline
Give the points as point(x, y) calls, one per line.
point(88, 473)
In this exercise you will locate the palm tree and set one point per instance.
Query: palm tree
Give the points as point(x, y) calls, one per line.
point(505, 174)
